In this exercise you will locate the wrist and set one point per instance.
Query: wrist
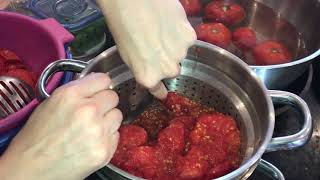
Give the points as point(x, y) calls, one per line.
point(9, 168)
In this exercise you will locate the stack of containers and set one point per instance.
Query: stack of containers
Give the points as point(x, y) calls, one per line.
point(83, 19)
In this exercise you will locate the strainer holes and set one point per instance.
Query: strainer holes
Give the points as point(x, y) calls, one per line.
point(177, 85)
point(126, 84)
point(134, 93)
point(195, 83)
point(208, 102)
point(194, 88)
point(209, 97)
point(177, 79)
point(133, 87)
point(184, 92)
point(186, 80)
point(185, 86)
point(192, 95)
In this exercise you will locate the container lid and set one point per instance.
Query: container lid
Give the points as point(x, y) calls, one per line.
point(72, 14)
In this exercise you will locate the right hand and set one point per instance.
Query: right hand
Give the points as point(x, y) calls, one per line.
point(69, 136)
point(152, 37)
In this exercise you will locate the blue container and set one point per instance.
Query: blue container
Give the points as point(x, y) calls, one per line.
point(72, 14)
point(6, 138)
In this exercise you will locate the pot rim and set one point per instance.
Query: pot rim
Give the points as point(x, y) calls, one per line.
point(260, 150)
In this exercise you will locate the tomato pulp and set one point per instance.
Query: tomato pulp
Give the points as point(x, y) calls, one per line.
point(179, 139)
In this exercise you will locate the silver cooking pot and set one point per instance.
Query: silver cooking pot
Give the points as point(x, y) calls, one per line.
point(294, 22)
point(214, 77)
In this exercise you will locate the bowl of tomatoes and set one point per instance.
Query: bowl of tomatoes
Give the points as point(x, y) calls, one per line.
point(275, 42)
point(27, 46)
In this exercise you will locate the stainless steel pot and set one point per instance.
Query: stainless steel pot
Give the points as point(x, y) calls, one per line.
point(296, 23)
point(214, 77)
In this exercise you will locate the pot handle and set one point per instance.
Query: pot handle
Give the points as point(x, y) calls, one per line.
point(270, 170)
point(301, 137)
point(57, 66)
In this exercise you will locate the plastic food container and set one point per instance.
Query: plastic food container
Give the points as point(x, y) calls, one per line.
point(38, 43)
point(91, 40)
point(72, 14)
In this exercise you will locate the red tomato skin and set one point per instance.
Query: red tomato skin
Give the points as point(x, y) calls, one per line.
point(2, 68)
point(132, 136)
point(24, 75)
point(172, 138)
point(214, 33)
point(225, 12)
point(270, 53)
point(191, 7)
point(8, 55)
point(244, 38)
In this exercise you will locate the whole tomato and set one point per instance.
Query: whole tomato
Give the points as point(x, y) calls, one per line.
point(192, 7)
point(271, 52)
point(244, 38)
point(214, 33)
point(225, 12)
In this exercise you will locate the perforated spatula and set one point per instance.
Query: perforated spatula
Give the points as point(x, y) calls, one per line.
point(14, 95)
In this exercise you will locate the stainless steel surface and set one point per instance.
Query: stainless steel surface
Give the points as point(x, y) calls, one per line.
point(14, 95)
point(300, 138)
point(270, 170)
point(61, 65)
point(295, 23)
point(214, 77)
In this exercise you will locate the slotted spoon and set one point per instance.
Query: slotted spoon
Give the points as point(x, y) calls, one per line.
point(14, 95)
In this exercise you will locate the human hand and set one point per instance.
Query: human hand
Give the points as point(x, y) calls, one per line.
point(69, 136)
point(152, 36)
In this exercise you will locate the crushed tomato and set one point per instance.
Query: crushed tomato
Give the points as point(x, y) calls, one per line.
point(179, 139)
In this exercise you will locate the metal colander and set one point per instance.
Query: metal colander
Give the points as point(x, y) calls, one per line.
point(215, 78)
point(210, 93)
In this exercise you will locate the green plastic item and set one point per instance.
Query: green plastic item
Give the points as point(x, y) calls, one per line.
point(91, 40)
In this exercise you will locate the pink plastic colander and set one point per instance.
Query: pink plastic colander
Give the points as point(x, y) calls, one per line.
point(37, 43)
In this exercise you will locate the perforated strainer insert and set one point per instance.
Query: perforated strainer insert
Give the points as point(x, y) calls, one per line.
point(198, 82)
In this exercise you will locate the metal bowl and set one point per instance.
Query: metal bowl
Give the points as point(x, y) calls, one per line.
point(295, 23)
